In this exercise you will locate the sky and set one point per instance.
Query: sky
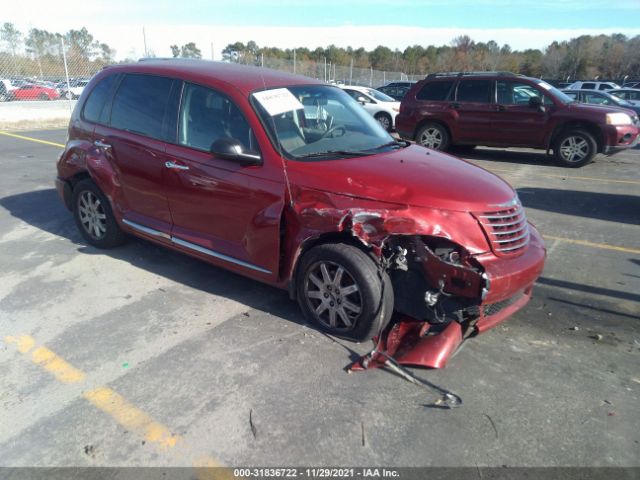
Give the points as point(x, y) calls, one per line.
point(212, 24)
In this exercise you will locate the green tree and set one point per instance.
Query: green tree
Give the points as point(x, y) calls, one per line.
point(11, 36)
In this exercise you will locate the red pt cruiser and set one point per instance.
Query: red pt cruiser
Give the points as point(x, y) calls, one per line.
point(288, 181)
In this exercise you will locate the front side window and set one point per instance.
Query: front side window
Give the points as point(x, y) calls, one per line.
point(207, 115)
point(319, 122)
point(588, 86)
point(474, 91)
point(140, 104)
point(435, 91)
point(596, 99)
point(357, 96)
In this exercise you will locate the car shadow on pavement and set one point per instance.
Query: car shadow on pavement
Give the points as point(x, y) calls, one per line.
point(615, 294)
point(612, 207)
point(44, 210)
point(506, 156)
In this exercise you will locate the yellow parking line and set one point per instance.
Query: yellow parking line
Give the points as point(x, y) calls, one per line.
point(31, 139)
point(130, 417)
point(595, 245)
point(567, 177)
point(113, 404)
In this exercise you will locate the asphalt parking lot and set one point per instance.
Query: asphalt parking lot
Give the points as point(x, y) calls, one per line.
point(142, 356)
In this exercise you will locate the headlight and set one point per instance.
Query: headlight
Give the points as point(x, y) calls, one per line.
point(618, 119)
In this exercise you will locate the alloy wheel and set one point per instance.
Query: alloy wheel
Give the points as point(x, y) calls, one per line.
point(333, 296)
point(431, 138)
point(92, 215)
point(574, 149)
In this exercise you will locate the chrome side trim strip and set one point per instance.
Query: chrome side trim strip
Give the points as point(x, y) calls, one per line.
point(147, 230)
point(220, 256)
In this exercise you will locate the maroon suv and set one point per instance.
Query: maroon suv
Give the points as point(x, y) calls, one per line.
point(288, 181)
point(503, 109)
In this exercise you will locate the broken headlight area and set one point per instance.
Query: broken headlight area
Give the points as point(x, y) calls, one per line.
point(435, 280)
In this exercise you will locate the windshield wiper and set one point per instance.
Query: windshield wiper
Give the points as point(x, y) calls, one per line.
point(395, 143)
point(346, 153)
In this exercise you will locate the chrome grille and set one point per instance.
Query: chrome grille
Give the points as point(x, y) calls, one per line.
point(507, 229)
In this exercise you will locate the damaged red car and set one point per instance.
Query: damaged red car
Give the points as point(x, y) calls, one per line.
point(286, 180)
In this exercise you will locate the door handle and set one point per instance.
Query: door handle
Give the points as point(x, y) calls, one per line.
point(500, 108)
point(101, 144)
point(175, 166)
point(455, 106)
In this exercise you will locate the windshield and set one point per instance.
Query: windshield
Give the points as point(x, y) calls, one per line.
point(555, 93)
point(381, 97)
point(318, 122)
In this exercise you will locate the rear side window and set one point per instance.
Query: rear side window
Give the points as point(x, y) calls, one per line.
point(97, 100)
point(435, 91)
point(140, 104)
point(476, 91)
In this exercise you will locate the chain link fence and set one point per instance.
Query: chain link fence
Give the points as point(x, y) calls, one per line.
point(39, 84)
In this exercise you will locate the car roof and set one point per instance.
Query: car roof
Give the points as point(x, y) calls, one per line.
point(245, 78)
point(588, 90)
point(356, 87)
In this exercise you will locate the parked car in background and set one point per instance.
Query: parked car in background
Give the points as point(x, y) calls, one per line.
point(592, 85)
point(382, 107)
point(631, 95)
point(34, 92)
point(507, 110)
point(631, 85)
point(77, 86)
point(6, 87)
point(596, 97)
point(397, 93)
point(220, 161)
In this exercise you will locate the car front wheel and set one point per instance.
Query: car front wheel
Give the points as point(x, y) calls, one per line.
point(385, 120)
point(342, 292)
point(574, 148)
point(94, 216)
point(433, 135)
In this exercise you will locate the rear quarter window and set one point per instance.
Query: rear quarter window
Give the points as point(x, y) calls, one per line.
point(98, 98)
point(435, 91)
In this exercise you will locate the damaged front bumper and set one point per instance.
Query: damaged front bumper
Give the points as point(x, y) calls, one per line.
point(502, 289)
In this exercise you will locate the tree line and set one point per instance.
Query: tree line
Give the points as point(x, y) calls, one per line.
point(603, 56)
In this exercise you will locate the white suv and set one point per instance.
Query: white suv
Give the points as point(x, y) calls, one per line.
point(381, 106)
point(593, 86)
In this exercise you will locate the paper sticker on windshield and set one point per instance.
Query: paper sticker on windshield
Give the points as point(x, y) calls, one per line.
point(277, 101)
point(545, 85)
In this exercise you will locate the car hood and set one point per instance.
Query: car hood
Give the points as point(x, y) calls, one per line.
point(604, 109)
point(413, 176)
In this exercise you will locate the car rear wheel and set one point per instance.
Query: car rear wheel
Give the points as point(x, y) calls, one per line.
point(433, 135)
point(385, 120)
point(94, 216)
point(43, 96)
point(574, 148)
point(341, 291)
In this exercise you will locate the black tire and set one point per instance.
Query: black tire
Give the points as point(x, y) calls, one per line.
point(94, 216)
point(373, 299)
point(433, 135)
point(4, 97)
point(574, 148)
point(385, 120)
point(43, 96)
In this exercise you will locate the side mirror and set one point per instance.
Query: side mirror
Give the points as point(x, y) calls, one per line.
point(231, 149)
point(536, 102)
point(362, 100)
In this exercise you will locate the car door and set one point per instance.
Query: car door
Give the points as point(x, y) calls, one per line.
point(516, 122)
point(473, 111)
point(134, 142)
point(226, 211)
